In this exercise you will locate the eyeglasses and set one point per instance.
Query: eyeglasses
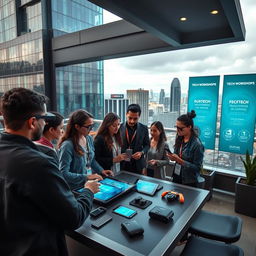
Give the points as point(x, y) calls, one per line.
point(89, 127)
point(47, 117)
point(180, 128)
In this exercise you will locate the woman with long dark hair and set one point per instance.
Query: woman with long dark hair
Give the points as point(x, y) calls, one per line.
point(188, 151)
point(77, 161)
point(108, 143)
point(156, 156)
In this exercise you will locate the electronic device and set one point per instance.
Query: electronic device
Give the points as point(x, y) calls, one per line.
point(172, 196)
point(124, 211)
point(101, 221)
point(146, 187)
point(140, 202)
point(97, 212)
point(110, 189)
point(166, 148)
point(126, 177)
point(133, 228)
point(162, 214)
point(128, 153)
point(159, 187)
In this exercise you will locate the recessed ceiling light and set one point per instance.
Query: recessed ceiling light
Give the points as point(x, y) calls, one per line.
point(183, 18)
point(213, 12)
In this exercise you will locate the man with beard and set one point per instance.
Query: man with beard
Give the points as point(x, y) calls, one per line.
point(36, 204)
point(135, 140)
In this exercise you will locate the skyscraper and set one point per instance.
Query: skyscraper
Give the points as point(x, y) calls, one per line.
point(117, 105)
point(26, 30)
point(161, 96)
point(140, 97)
point(175, 95)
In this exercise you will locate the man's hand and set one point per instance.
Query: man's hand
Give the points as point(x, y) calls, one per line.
point(94, 177)
point(107, 173)
point(93, 185)
point(137, 155)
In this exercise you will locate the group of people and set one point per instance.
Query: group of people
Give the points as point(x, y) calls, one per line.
point(37, 177)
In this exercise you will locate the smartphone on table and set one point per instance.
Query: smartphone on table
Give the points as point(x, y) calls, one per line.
point(124, 211)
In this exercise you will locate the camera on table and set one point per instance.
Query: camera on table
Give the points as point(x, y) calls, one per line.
point(173, 196)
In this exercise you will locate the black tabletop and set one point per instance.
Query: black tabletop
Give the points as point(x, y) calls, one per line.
point(159, 238)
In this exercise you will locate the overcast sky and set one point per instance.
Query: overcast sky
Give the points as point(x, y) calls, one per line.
point(156, 71)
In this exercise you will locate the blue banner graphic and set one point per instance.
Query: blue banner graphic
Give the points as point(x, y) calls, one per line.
point(238, 113)
point(203, 98)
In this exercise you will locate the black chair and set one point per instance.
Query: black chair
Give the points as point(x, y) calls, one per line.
point(225, 228)
point(197, 246)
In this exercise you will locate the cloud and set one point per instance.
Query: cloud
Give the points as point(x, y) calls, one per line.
point(156, 71)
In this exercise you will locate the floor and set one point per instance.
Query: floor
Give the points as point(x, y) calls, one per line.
point(223, 203)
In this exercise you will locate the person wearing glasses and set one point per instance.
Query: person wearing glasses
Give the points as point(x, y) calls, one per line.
point(156, 157)
point(108, 143)
point(135, 141)
point(76, 151)
point(52, 131)
point(36, 203)
point(188, 151)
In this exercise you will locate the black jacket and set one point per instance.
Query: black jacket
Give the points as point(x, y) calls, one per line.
point(141, 144)
point(103, 155)
point(36, 204)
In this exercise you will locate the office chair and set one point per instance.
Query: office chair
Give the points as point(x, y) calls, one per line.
point(197, 246)
point(224, 228)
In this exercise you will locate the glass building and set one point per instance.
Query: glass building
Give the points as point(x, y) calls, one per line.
point(26, 30)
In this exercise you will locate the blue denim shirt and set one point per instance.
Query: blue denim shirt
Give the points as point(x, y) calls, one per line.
point(192, 154)
point(73, 165)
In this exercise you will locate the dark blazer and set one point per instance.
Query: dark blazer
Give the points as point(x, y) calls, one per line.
point(103, 155)
point(36, 204)
point(142, 144)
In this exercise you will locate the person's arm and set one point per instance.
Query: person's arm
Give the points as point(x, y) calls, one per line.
point(102, 155)
point(164, 158)
point(146, 142)
point(66, 155)
point(198, 155)
point(50, 193)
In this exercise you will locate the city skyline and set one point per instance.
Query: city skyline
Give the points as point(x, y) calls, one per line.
point(155, 71)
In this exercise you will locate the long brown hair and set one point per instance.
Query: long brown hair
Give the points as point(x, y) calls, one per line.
point(78, 117)
point(108, 120)
point(162, 137)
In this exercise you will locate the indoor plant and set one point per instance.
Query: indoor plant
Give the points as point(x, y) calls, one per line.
point(246, 188)
point(209, 179)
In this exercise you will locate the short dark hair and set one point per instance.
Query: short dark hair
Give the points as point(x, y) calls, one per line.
point(134, 108)
point(19, 104)
point(53, 122)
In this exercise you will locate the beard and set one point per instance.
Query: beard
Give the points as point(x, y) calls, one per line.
point(37, 134)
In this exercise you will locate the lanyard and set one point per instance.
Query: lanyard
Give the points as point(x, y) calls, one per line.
point(128, 138)
point(87, 155)
point(115, 147)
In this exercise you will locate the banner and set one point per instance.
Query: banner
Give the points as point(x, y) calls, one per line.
point(238, 113)
point(203, 97)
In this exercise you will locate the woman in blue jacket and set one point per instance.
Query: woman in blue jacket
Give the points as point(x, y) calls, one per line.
point(188, 151)
point(77, 161)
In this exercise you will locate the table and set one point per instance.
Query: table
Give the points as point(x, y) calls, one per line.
point(158, 238)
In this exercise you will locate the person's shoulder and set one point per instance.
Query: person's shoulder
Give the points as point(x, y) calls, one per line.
point(67, 143)
point(142, 126)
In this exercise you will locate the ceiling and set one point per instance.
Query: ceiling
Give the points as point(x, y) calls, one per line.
point(161, 18)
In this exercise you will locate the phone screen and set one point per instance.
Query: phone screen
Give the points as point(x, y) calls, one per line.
point(124, 211)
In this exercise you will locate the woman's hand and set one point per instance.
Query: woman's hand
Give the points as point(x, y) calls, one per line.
point(107, 173)
point(152, 162)
point(119, 158)
point(94, 177)
point(174, 157)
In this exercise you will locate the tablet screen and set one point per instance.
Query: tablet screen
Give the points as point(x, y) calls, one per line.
point(146, 187)
point(110, 189)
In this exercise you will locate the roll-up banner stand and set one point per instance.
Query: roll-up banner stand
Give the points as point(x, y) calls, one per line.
point(203, 98)
point(238, 113)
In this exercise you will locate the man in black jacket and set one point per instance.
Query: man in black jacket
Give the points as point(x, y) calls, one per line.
point(135, 139)
point(36, 204)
